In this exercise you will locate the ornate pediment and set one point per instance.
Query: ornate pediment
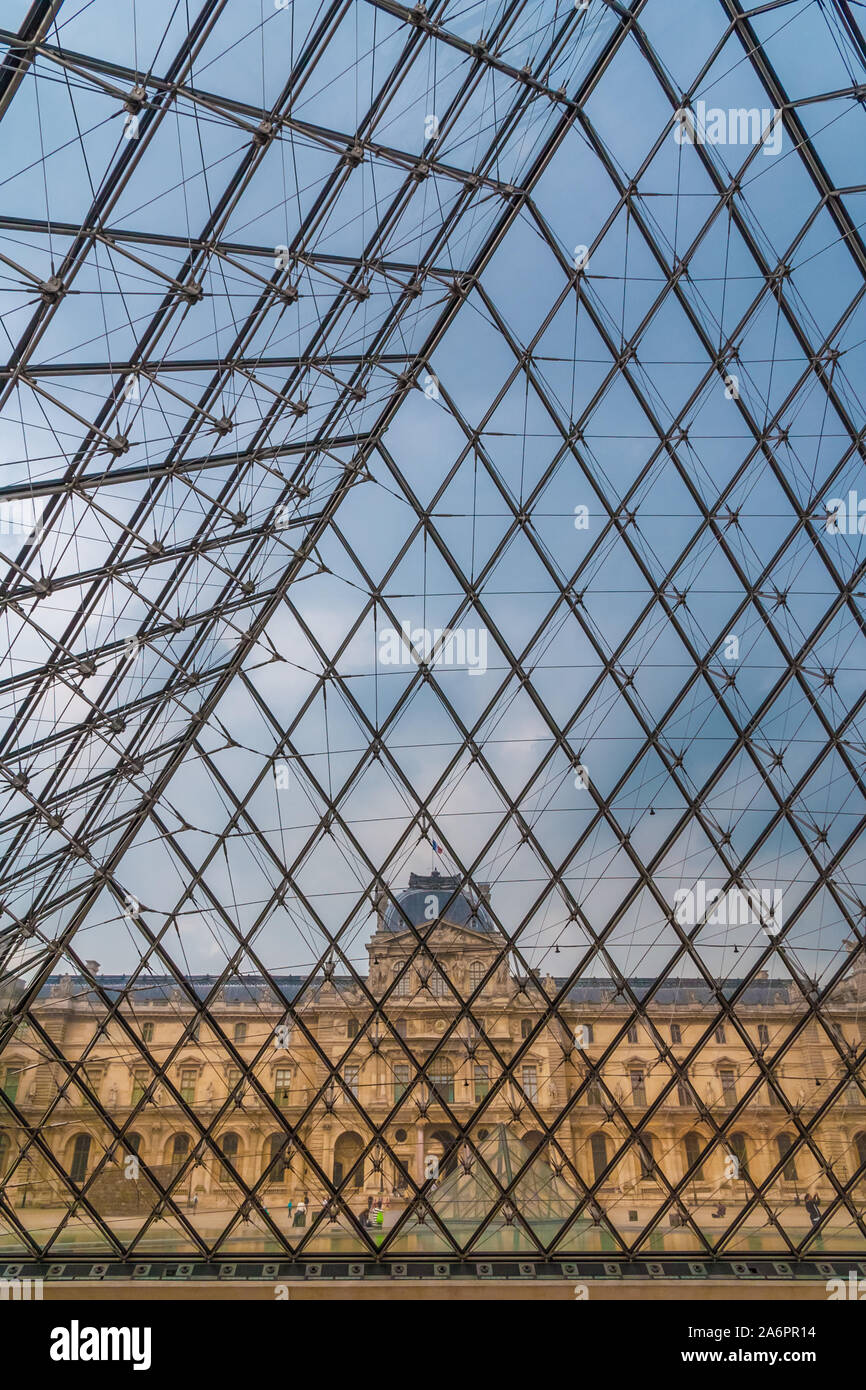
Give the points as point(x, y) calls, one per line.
point(445, 934)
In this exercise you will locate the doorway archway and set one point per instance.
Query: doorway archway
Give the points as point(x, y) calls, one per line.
point(444, 1145)
point(347, 1152)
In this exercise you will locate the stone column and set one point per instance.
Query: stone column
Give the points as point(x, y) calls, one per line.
point(326, 1159)
point(419, 1155)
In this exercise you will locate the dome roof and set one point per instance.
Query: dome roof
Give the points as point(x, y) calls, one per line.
point(458, 908)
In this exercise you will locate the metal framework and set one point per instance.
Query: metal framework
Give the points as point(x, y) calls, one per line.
point(253, 451)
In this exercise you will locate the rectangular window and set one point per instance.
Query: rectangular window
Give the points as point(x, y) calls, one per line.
point(233, 1077)
point(530, 1083)
point(147, 1032)
point(351, 1076)
point(638, 1092)
point(282, 1085)
point(10, 1083)
point(482, 1082)
point(676, 1033)
point(139, 1086)
point(187, 1084)
point(684, 1095)
point(94, 1074)
point(442, 1081)
point(785, 1144)
point(401, 1080)
point(729, 1087)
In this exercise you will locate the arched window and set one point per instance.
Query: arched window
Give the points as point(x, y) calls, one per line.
point(740, 1153)
point(276, 1157)
point(476, 974)
point(179, 1150)
point(645, 1154)
point(785, 1143)
point(442, 1079)
point(240, 1032)
point(693, 1147)
point(229, 1143)
point(401, 987)
point(525, 1027)
point(133, 1143)
point(598, 1149)
point(80, 1155)
point(5, 1146)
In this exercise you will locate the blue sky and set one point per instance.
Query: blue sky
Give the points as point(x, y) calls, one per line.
point(470, 462)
